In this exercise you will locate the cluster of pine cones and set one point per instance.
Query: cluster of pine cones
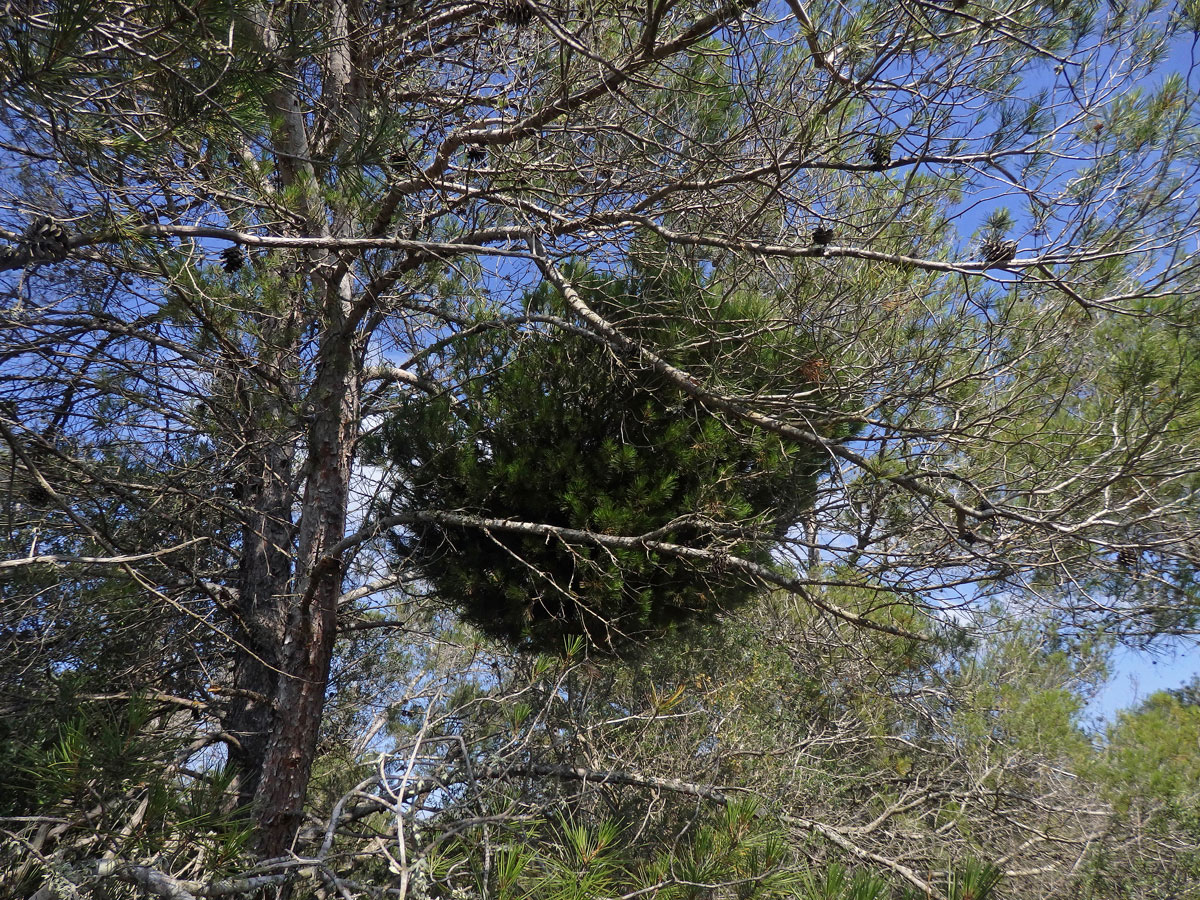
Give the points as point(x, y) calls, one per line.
point(43, 241)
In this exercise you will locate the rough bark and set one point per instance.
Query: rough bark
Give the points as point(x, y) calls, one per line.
point(264, 574)
point(306, 650)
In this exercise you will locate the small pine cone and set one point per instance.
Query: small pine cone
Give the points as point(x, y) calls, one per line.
point(46, 240)
point(814, 370)
point(38, 496)
point(1127, 558)
point(880, 151)
point(822, 236)
point(515, 12)
point(998, 251)
point(232, 259)
point(46, 231)
point(477, 155)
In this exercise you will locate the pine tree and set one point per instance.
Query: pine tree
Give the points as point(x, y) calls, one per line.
point(237, 239)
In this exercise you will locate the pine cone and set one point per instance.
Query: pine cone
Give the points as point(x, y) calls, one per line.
point(822, 236)
point(232, 259)
point(37, 495)
point(515, 12)
point(1127, 558)
point(880, 151)
point(996, 250)
point(46, 240)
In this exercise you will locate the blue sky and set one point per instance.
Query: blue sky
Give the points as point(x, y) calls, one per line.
point(1138, 674)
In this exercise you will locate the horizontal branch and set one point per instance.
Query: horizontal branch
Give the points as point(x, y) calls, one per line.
point(54, 559)
point(840, 840)
point(641, 542)
point(506, 238)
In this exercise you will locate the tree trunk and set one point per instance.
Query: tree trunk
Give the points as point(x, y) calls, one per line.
point(304, 651)
point(259, 618)
point(307, 647)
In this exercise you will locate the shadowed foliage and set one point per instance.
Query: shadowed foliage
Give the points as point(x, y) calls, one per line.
point(559, 430)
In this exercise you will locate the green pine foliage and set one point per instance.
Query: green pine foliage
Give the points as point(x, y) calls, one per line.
point(732, 852)
point(1149, 768)
point(563, 431)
